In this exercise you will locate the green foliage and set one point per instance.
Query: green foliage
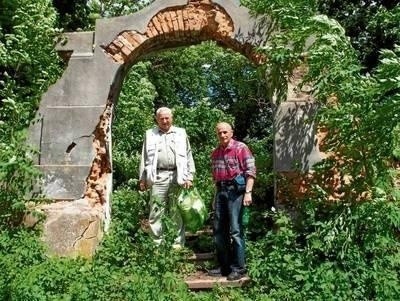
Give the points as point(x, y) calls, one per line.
point(225, 79)
point(396, 142)
point(72, 15)
point(367, 105)
point(263, 194)
point(17, 179)
point(19, 249)
point(361, 124)
point(113, 8)
point(128, 266)
point(366, 118)
point(337, 251)
point(134, 115)
point(290, 21)
point(28, 65)
point(342, 251)
point(38, 282)
point(370, 26)
point(26, 46)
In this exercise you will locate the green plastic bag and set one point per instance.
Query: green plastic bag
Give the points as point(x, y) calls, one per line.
point(192, 208)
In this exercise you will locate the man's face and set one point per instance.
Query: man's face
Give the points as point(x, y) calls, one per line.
point(224, 134)
point(164, 121)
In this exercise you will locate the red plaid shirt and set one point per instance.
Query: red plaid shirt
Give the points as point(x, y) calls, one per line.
point(231, 161)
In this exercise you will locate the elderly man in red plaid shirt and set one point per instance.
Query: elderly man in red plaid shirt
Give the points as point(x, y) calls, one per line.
point(234, 171)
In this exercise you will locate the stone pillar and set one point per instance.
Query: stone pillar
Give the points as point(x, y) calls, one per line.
point(296, 145)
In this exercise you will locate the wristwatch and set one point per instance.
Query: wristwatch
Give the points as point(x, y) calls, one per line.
point(248, 191)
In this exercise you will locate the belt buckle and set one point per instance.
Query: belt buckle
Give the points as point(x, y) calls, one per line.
point(225, 183)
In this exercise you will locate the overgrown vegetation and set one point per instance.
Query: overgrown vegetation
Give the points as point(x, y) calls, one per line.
point(347, 249)
point(28, 65)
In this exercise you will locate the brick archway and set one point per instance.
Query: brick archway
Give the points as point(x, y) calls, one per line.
point(72, 132)
point(180, 26)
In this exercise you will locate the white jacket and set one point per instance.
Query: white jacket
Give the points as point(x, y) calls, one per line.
point(183, 156)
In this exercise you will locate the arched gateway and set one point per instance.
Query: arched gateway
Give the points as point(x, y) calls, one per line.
point(73, 131)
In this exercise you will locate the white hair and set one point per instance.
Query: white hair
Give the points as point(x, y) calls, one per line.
point(163, 110)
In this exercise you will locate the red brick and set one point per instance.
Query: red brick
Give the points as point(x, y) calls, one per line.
point(118, 58)
point(175, 23)
point(180, 20)
point(163, 23)
point(126, 51)
point(157, 25)
point(126, 43)
point(132, 41)
point(149, 32)
point(128, 36)
point(112, 49)
point(118, 43)
point(185, 14)
point(138, 37)
point(153, 30)
point(168, 18)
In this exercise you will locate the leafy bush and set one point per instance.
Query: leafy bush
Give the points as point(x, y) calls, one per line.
point(19, 248)
point(28, 66)
point(337, 251)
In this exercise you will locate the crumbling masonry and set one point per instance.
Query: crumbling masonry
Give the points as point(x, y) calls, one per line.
point(73, 131)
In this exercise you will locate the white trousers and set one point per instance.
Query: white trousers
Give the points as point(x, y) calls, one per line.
point(163, 203)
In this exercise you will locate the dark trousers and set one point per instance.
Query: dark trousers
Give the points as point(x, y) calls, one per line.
point(228, 229)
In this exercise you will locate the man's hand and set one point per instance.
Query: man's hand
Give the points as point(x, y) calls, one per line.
point(142, 185)
point(247, 199)
point(187, 184)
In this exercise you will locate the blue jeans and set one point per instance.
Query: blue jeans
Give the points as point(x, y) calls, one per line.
point(228, 230)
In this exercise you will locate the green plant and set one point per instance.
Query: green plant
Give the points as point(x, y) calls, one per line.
point(338, 251)
point(28, 66)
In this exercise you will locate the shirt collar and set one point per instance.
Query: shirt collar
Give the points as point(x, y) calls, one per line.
point(229, 146)
point(172, 129)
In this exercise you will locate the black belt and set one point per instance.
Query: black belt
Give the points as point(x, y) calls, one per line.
point(166, 169)
point(225, 183)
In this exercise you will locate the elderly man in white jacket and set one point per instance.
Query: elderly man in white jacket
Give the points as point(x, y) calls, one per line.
point(166, 163)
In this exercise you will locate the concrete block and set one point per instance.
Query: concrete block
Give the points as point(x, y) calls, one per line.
point(78, 42)
point(65, 126)
point(64, 182)
point(296, 145)
point(72, 228)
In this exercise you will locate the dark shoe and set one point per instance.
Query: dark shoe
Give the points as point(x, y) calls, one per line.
point(217, 272)
point(235, 275)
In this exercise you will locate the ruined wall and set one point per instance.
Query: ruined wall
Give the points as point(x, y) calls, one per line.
point(75, 114)
point(73, 128)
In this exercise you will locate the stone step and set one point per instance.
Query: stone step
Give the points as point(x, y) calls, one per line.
point(144, 224)
point(202, 256)
point(200, 281)
point(205, 231)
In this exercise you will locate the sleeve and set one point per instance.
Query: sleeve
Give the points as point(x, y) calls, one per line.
point(190, 162)
point(142, 172)
point(248, 162)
